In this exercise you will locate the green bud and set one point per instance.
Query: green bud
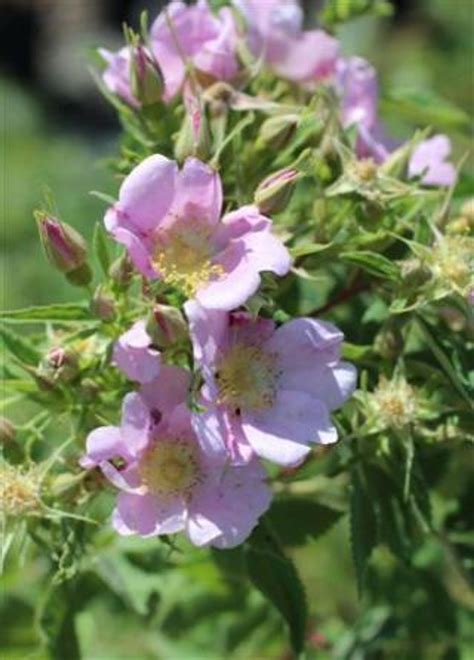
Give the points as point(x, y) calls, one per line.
point(274, 192)
point(103, 305)
point(166, 326)
point(121, 271)
point(193, 138)
point(145, 76)
point(277, 131)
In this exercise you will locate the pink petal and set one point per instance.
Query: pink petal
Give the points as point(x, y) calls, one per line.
point(103, 444)
point(208, 331)
point(200, 530)
point(266, 252)
point(146, 515)
point(233, 505)
point(305, 341)
point(331, 384)
point(147, 193)
point(429, 161)
point(166, 392)
point(198, 193)
point(282, 433)
point(136, 248)
point(133, 356)
point(311, 56)
point(240, 282)
point(136, 423)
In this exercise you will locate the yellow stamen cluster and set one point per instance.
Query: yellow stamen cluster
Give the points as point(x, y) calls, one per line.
point(170, 467)
point(19, 490)
point(247, 378)
point(184, 258)
point(394, 402)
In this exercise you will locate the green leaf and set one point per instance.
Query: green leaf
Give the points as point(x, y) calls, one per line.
point(425, 107)
point(363, 525)
point(275, 576)
point(108, 199)
point(298, 519)
point(19, 347)
point(68, 312)
point(355, 353)
point(444, 361)
point(56, 624)
point(99, 244)
point(373, 263)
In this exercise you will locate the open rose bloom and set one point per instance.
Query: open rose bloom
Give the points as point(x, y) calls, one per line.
point(275, 33)
point(184, 35)
point(170, 221)
point(169, 480)
point(268, 390)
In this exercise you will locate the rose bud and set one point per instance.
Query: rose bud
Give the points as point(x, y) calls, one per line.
point(278, 131)
point(65, 249)
point(121, 271)
point(274, 192)
point(60, 365)
point(145, 77)
point(103, 305)
point(193, 138)
point(166, 326)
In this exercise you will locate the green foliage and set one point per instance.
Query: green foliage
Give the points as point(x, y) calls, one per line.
point(275, 576)
point(394, 492)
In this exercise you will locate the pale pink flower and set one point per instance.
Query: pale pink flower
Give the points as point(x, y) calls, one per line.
point(169, 480)
point(135, 356)
point(275, 33)
point(183, 35)
point(429, 162)
point(117, 74)
point(170, 222)
point(268, 390)
point(132, 75)
point(356, 82)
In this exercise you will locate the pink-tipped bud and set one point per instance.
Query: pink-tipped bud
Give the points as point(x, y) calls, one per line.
point(193, 139)
point(65, 248)
point(166, 326)
point(60, 365)
point(145, 77)
point(274, 192)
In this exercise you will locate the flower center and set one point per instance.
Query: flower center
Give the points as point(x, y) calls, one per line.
point(183, 258)
point(247, 378)
point(170, 467)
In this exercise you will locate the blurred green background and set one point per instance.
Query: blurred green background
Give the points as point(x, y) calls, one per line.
point(426, 47)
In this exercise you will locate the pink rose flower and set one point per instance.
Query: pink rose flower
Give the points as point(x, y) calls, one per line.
point(275, 32)
point(429, 161)
point(268, 390)
point(170, 222)
point(134, 355)
point(357, 85)
point(169, 480)
point(193, 34)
